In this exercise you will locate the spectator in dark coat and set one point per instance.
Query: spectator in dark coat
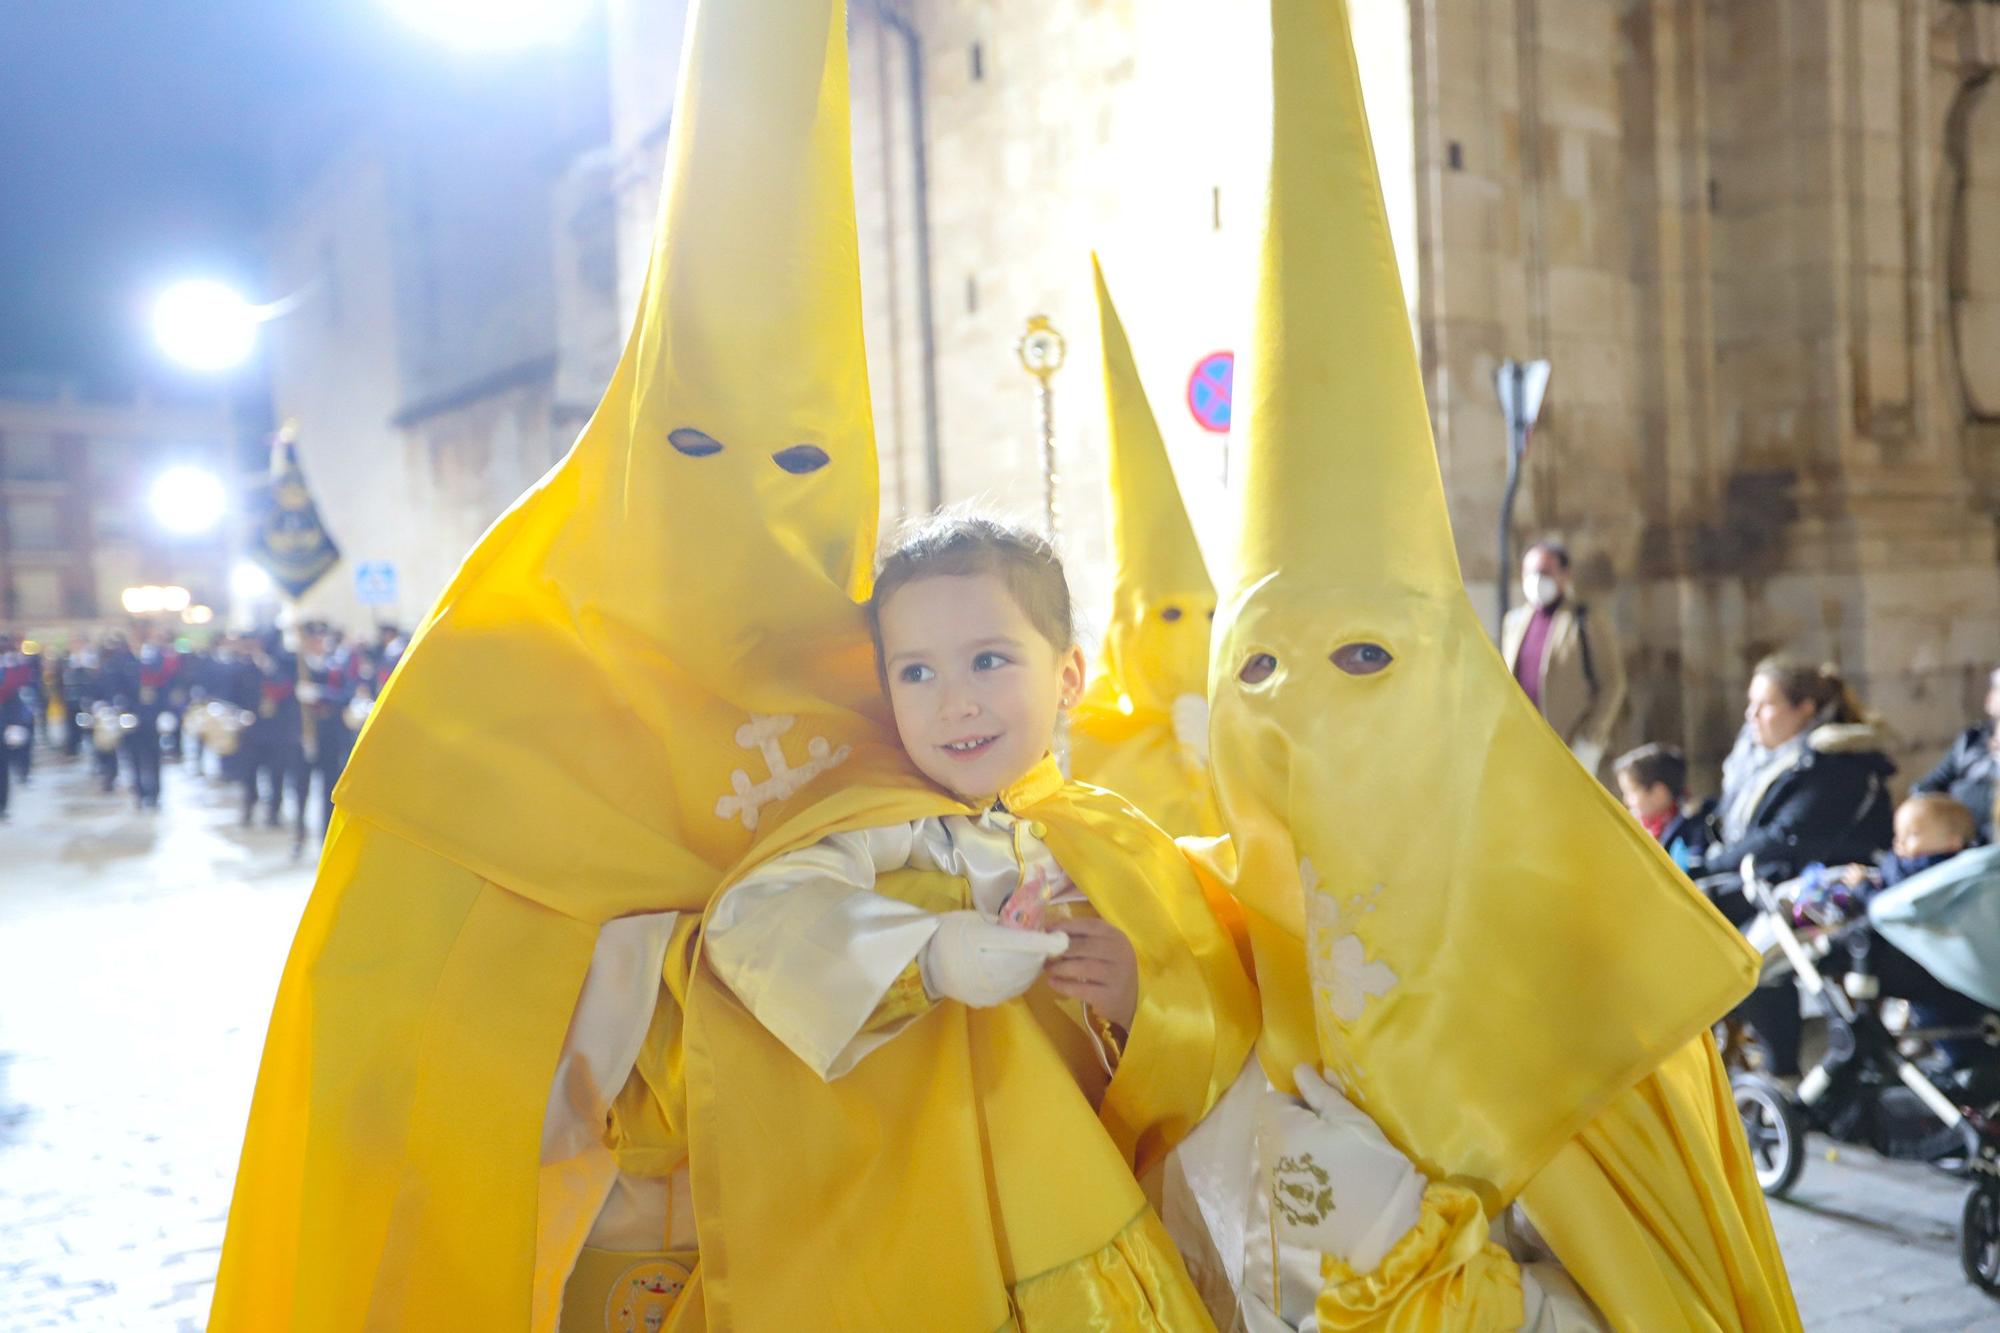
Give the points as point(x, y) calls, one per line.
point(1967, 771)
point(1819, 793)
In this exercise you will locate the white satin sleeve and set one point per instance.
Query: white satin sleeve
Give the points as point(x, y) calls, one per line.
point(810, 948)
point(606, 1030)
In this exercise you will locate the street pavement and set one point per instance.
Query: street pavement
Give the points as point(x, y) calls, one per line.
point(139, 952)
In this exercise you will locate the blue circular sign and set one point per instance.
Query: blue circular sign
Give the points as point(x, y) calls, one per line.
point(1208, 391)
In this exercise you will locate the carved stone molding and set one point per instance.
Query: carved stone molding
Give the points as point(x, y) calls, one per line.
point(1967, 52)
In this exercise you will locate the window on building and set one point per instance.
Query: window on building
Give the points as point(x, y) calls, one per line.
point(111, 521)
point(33, 525)
point(28, 456)
point(38, 594)
point(111, 457)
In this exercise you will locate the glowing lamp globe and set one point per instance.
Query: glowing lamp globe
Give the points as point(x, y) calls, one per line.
point(188, 501)
point(205, 325)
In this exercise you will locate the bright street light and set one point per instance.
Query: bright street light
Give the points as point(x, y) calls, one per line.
point(188, 501)
point(205, 325)
point(150, 600)
point(493, 25)
point(248, 582)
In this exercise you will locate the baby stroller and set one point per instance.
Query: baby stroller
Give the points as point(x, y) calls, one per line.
point(1932, 942)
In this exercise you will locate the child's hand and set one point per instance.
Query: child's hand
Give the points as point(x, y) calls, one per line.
point(1099, 968)
point(1027, 907)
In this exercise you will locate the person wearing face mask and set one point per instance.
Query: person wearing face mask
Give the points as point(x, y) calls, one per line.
point(1566, 659)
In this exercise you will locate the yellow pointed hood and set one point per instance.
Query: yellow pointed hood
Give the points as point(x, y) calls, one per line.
point(1449, 914)
point(639, 672)
point(1141, 728)
point(660, 643)
point(1162, 602)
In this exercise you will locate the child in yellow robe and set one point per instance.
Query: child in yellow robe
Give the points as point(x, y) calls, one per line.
point(1084, 1049)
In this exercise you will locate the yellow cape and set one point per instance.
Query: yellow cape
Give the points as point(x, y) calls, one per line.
point(1141, 728)
point(959, 1178)
point(1447, 913)
point(638, 669)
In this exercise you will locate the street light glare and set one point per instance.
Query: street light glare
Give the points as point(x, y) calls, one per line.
point(188, 502)
point(492, 25)
point(249, 582)
point(150, 599)
point(205, 325)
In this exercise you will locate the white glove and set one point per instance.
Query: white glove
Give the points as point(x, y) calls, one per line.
point(1337, 1184)
point(982, 963)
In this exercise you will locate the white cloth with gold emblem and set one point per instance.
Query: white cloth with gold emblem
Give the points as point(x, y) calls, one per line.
point(1280, 1182)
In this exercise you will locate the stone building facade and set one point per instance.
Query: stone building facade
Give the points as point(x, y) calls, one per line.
point(76, 523)
point(1758, 239)
point(452, 263)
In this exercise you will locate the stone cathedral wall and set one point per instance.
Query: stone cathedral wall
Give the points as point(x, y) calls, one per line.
point(1759, 239)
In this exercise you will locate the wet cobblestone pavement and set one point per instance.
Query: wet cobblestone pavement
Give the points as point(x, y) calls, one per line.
point(139, 952)
point(138, 955)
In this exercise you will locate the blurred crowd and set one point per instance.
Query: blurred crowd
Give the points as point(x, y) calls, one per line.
point(274, 712)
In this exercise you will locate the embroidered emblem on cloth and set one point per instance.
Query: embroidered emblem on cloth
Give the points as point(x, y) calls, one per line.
point(761, 733)
point(643, 1296)
point(1302, 1191)
point(1344, 977)
point(1191, 726)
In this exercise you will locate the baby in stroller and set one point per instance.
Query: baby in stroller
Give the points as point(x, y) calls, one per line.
point(1930, 830)
point(1923, 929)
point(1932, 833)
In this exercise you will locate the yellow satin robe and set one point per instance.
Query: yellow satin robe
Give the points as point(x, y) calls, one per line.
point(963, 1176)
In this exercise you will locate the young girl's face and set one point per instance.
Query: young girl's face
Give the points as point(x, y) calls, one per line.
point(973, 684)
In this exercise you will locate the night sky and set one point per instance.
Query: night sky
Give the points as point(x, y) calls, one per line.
point(144, 140)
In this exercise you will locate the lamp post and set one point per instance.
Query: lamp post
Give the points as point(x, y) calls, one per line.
point(1041, 351)
point(1521, 386)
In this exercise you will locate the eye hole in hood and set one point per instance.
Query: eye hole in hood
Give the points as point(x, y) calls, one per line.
point(1258, 668)
point(694, 443)
point(1361, 659)
point(801, 459)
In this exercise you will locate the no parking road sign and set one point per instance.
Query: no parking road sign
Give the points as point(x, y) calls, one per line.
point(375, 583)
point(1208, 391)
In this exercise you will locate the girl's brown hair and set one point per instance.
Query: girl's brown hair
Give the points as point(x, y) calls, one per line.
point(1821, 686)
point(960, 545)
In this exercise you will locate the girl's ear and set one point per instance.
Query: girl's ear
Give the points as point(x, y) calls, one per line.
point(1072, 676)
